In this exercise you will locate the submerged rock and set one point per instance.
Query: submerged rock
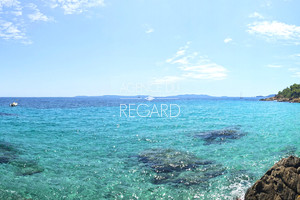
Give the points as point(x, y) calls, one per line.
point(162, 178)
point(169, 160)
point(195, 178)
point(27, 167)
point(187, 178)
point(5, 146)
point(281, 182)
point(10, 195)
point(219, 136)
point(10, 155)
point(7, 114)
point(177, 167)
point(7, 152)
point(288, 150)
point(4, 159)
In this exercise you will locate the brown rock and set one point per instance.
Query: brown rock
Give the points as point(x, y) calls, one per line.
point(296, 100)
point(282, 99)
point(298, 170)
point(281, 182)
point(268, 99)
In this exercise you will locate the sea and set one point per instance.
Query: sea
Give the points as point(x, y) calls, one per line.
point(115, 148)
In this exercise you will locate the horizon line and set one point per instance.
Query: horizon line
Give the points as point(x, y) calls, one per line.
point(144, 95)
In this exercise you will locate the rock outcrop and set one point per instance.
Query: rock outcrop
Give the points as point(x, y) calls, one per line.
point(281, 182)
point(169, 160)
point(220, 136)
point(179, 167)
point(290, 94)
point(282, 99)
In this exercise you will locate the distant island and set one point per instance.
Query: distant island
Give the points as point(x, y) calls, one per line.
point(289, 94)
point(181, 96)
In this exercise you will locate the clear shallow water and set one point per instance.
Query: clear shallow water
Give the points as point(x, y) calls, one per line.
point(87, 151)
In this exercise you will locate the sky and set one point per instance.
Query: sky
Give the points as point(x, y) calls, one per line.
point(65, 48)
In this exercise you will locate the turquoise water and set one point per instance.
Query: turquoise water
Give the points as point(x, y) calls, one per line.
point(85, 150)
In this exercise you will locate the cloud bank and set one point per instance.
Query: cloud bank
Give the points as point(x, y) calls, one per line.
point(191, 65)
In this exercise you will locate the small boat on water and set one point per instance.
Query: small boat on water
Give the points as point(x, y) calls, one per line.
point(13, 104)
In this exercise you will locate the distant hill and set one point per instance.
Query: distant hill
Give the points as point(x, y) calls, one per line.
point(271, 95)
point(182, 96)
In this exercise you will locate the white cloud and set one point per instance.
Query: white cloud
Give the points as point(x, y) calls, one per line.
point(295, 71)
point(273, 30)
point(183, 60)
point(193, 66)
point(295, 55)
point(148, 28)
point(13, 22)
point(256, 15)
point(296, 74)
point(179, 53)
point(227, 40)
point(167, 80)
point(37, 15)
point(266, 3)
point(10, 7)
point(76, 6)
point(8, 30)
point(274, 66)
point(17, 13)
point(205, 69)
point(9, 3)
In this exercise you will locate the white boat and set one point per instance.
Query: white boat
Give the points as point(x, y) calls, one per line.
point(13, 104)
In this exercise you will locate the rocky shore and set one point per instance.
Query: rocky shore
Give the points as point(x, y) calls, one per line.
point(290, 94)
point(281, 99)
point(280, 182)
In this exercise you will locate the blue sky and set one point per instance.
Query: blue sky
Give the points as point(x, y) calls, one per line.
point(153, 47)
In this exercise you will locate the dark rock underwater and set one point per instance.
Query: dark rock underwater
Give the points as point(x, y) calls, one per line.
point(220, 136)
point(178, 167)
point(11, 155)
